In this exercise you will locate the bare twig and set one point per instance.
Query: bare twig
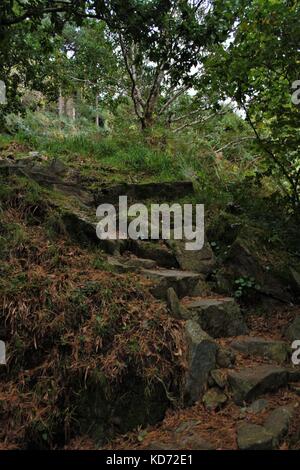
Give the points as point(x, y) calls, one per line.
point(234, 142)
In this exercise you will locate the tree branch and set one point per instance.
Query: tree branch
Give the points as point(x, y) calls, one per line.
point(234, 142)
point(172, 99)
point(198, 121)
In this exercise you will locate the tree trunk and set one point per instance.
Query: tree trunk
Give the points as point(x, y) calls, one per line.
point(70, 108)
point(61, 105)
point(97, 111)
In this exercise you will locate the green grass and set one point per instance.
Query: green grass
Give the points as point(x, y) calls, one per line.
point(124, 154)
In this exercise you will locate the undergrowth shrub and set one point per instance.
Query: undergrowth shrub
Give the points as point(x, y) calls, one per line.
point(73, 333)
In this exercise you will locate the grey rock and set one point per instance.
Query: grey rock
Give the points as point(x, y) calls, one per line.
point(248, 384)
point(202, 261)
point(214, 399)
point(174, 305)
point(117, 266)
point(218, 317)
point(195, 442)
point(140, 263)
point(293, 331)
point(258, 405)
point(225, 357)
point(182, 282)
point(278, 421)
point(218, 378)
point(202, 351)
point(57, 167)
point(254, 437)
point(157, 251)
point(274, 350)
point(244, 260)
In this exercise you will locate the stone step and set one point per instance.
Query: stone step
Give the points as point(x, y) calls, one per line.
point(252, 346)
point(157, 251)
point(124, 265)
point(201, 261)
point(168, 191)
point(218, 317)
point(249, 384)
point(269, 435)
point(254, 437)
point(183, 282)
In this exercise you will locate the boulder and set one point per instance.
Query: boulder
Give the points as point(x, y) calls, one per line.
point(218, 317)
point(182, 282)
point(214, 399)
point(275, 350)
point(246, 259)
point(202, 350)
point(219, 378)
point(225, 357)
point(258, 406)
point(248, 384)
point(293, 331)
point(158, 252)
point(278, 422)
point(202, 261)
point(254, 437)
point(174, 306)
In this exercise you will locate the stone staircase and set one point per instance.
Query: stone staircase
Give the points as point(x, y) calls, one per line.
point(212, 376)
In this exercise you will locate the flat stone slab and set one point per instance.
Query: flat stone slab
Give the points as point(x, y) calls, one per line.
point(249, 384)
point(254, 437)
point(183, 282)
point(140, 263)
point(218, 317)
point(251, 346)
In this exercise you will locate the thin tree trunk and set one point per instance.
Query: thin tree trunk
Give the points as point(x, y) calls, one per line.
point(61, 104)
point(97, 112)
